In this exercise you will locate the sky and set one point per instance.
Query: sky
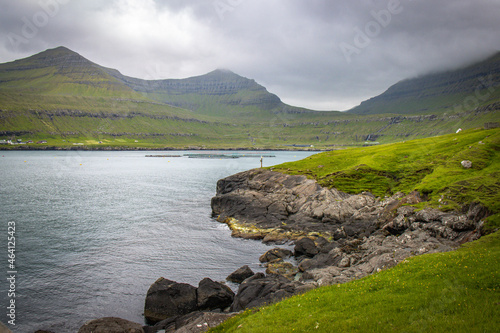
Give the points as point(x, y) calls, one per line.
point(317, 54)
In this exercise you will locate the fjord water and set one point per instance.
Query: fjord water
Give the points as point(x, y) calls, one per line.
point(95, 229)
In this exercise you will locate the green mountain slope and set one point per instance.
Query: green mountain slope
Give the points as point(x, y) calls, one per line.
point(473, 87)
point(60, 72)
point(217, 93)
point(59, 96)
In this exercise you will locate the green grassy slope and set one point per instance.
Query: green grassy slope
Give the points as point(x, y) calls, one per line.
point(431, 166)
point(61, 97)
point(475, 86)
point(455, 291)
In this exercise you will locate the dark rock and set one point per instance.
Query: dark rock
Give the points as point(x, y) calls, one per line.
point(240, 274)
point(166, 298)
point(280, 267)
point(305, 246)
point(477, 212)
point(168, 325)
point(461, 223)
point(276, 253)
point(369, 234)
point(319, 261)
point(213, 295)
point(259, 290)
point(428, 215)
point(110, 325)
point(398, 225)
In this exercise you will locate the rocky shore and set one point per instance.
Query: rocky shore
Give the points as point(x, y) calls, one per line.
point(337, 237)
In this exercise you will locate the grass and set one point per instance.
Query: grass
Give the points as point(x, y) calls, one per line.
point(456, 291)
point(431, 166)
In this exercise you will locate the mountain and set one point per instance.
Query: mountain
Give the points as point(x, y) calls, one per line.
point(57, 72)
point(60, 96)
point(463, 89)
point(206, 94)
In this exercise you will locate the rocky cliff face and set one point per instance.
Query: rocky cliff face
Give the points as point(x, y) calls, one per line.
point(338, 236)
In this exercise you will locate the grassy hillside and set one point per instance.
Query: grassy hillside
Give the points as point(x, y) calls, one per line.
point(431, 166)
point(455, 291)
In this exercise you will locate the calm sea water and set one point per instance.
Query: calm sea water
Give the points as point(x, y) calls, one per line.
point(95, 229)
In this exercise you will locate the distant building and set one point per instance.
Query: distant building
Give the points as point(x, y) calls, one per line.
point(41, 141)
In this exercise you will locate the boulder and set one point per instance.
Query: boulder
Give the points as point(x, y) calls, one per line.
point(240, 274)
point(305, 247)
point(259, 290)
point(110, 325)
point(166, 298)
point(276, 253)
point(280, 267)
point(466, 164)
point(213, 295)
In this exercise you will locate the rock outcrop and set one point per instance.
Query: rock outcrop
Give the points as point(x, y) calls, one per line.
point(168, 299)
point(213, 295)
point(338, 236)
point(239, 275)
point(261, 289)
point(262, 204)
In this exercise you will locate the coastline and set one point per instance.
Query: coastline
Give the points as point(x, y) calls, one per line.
point(107, 148)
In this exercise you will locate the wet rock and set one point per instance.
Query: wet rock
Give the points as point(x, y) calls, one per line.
point(305, 246)
point(240, 274)
point(280, 267)
point(276, 253)
point(110, 325)
point(213, 295)
point(166, 298)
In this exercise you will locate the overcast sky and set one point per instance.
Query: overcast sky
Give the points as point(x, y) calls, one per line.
point(319, 54)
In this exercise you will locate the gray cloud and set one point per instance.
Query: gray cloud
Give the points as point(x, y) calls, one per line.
point(320, 54)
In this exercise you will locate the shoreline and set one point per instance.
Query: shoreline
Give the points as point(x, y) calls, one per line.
point(85, 148)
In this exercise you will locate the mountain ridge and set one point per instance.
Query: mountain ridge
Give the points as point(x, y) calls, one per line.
point(60, 95)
